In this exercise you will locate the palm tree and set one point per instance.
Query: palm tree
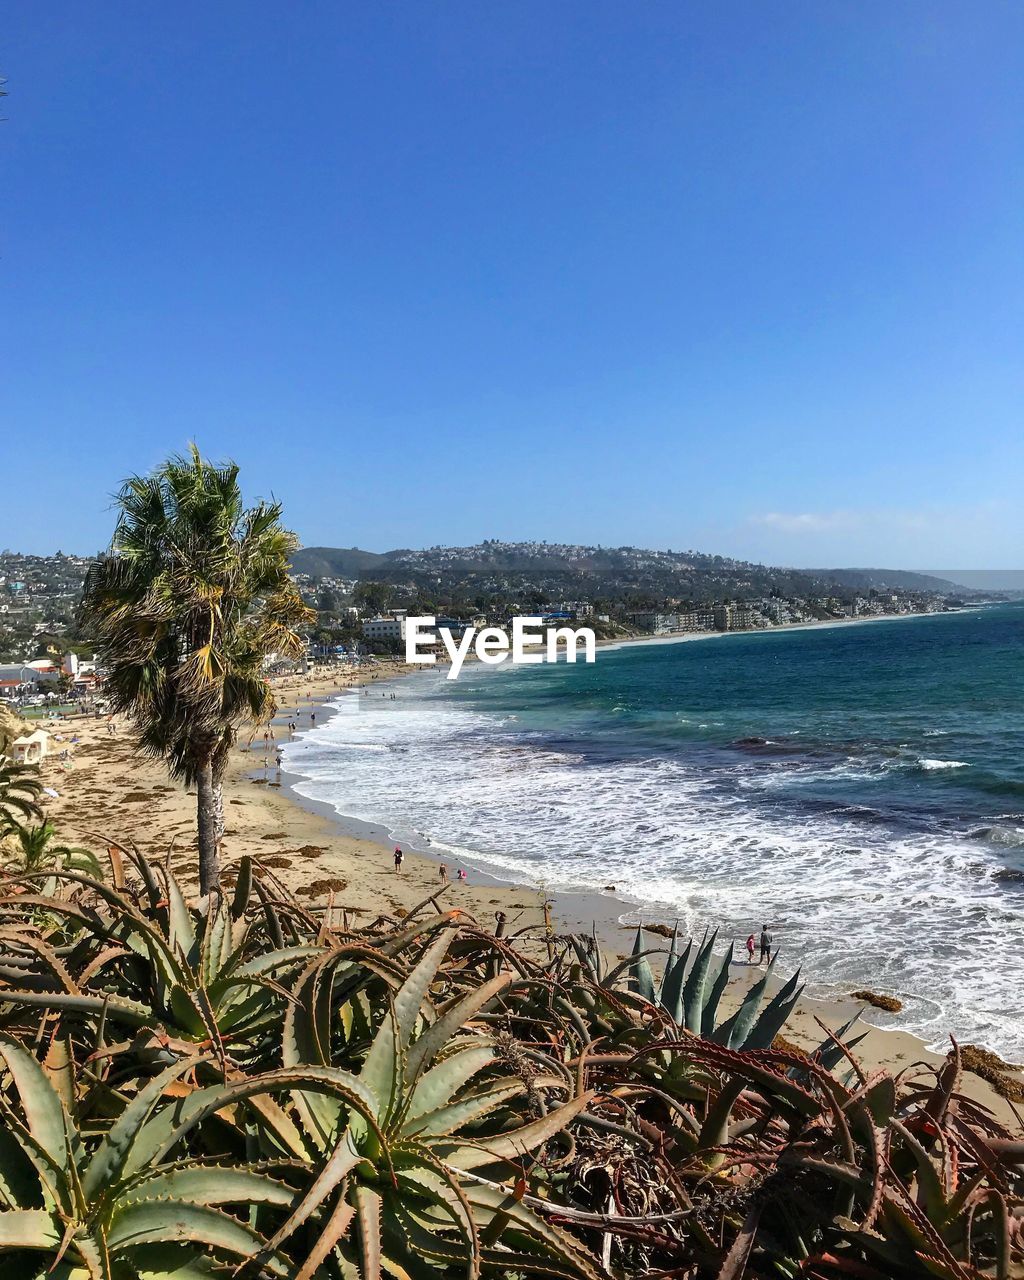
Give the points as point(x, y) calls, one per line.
point(34, 850)
point(191, 598)
point(20, 790)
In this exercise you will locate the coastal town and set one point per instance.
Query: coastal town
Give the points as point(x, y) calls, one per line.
point(45, 652)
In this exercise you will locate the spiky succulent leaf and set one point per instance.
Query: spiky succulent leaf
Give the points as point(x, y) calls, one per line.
point(641, 979)
point(774, 1015)
point(714, 992)
point(694, 987)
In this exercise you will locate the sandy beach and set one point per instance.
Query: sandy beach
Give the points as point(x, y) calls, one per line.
point(109, 792)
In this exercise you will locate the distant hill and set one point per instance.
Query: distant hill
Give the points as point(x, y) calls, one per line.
point(573, 571)
point(336, 562)
point(897, 579)
point(1011, 580)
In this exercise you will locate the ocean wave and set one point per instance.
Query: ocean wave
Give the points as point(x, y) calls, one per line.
point(1007, 837)
point(853, 895)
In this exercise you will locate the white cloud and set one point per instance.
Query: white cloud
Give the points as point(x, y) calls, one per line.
point(985, 533)
point(810, 521)
point(844, 521)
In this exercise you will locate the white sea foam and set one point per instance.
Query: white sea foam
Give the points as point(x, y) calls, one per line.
point(943, 764)
point(852, 902)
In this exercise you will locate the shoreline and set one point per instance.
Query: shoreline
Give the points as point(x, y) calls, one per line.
point(684, 637)
point(615, 917)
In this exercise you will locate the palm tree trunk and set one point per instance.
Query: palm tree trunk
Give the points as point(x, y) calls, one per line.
point(218, 805)
point(206, 805)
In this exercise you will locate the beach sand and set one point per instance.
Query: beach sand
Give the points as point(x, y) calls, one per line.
point(110, 792)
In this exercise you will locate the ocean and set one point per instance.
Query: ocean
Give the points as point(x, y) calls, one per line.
point(858, 787)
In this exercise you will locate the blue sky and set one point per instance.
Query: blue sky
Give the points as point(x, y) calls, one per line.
point(745, 277)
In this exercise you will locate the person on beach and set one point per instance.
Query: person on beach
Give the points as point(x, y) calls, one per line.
point(399, 855)
point(750, 949)
point(766, 945)
point(461, 875)
point(312, 718)
point(442, 871)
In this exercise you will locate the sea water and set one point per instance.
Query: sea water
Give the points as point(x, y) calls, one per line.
point(859, 787)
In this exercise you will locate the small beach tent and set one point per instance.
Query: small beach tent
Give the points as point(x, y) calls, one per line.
point(31, 748)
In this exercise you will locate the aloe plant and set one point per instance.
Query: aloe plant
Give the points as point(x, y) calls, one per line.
point(76, 1205)
point(408, 1172)
point(191, 974)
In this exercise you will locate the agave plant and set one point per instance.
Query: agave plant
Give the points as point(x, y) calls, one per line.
point(776, 1168)
point(690, 994)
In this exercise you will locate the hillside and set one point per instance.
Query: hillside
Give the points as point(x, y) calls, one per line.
point(570, 570)
point(897, 579)
point(336, 562)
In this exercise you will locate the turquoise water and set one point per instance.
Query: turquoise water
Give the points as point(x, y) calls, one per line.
point(860, 787)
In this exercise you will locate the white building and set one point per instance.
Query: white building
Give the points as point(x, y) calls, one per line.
point(31, 748)
point(384, 628)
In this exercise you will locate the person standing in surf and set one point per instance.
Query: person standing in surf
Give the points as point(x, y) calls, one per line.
point(766, 945)
point(750, 949)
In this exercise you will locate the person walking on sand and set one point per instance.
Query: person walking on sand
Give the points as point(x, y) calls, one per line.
point(766, 945)
point(442, 871)
point(750, 949)
point(399, 855)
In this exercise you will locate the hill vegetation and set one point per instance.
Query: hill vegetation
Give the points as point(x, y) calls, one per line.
point(611, 573)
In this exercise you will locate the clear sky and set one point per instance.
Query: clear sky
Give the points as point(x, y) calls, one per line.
point(745, 277)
